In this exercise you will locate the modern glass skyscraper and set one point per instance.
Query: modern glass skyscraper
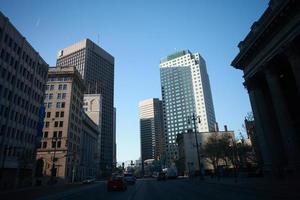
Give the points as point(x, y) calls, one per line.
point(96, 67)
point(185, 91)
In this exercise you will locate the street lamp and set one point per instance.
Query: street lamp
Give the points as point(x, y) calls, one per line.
point(194, 117)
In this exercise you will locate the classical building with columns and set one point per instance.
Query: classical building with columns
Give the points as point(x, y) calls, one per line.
point(270, 59)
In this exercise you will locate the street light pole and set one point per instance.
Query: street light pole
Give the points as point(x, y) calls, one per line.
point(53, 159)
point(194, 118)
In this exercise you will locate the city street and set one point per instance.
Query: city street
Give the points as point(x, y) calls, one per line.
point(150, 189)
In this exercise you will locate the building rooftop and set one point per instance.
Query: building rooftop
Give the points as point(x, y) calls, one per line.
point(175, 55)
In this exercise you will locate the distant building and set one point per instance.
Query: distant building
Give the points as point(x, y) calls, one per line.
point(185, 91)
point(92, 106)
point(23, 74)
point(250, 129)
point(151, 130)
point(60, 148)
point(89, 148)
point(269, 57)
point(187, 148)
point(96, 67)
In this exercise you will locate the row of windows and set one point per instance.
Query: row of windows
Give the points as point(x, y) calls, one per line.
point(16, 151)
point(16, 134)
point(54, 144)
point(56, 124)
point(58, 79)
point(17, 117)
point(10, 60)
point(49, 96)
point(25, 57)
point(60, 87)
point(58, 105)
point(55, 134)
point(57, 114)
point(26, 89)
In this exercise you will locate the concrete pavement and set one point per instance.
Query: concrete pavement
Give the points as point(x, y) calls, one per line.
point(185, 189)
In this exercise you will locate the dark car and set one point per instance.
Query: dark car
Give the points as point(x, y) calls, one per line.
point(129, 178)
point(161, 176)
point(116, 183)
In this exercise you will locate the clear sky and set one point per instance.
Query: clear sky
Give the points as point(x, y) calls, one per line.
point(138, 34)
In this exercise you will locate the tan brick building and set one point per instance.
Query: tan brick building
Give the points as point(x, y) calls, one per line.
point(60, 147)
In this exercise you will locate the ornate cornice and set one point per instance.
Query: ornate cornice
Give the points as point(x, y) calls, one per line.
point(263, 29)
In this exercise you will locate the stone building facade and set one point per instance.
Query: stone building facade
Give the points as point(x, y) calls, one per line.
point(96, 67)
point(270, 59)
point(60, 148)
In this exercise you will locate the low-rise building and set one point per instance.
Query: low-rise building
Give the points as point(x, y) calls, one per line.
point(92, 107)
point(89, 148)
point(188, 155)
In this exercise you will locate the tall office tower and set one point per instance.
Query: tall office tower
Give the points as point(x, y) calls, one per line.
point(114, 139)
point(151, 129)
point(96, 66)
point(185, 91)
point(23, 74)
point(62, 134)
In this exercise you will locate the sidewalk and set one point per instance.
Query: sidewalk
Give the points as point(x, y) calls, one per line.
point(290, 187)
point(37, 192)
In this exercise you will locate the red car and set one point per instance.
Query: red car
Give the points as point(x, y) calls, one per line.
point(116, 183)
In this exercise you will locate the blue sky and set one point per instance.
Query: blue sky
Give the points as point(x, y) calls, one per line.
point(138, 34)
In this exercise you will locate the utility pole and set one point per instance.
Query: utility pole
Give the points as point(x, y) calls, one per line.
point(194, 118)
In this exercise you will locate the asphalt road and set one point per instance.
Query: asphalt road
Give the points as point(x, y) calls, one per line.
point(150, 189)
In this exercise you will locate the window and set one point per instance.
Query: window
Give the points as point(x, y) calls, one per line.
point(60, 87)
point(58, 144)
point(48, 114)
point(51, 87)
point(56, 114)
point(47, 124)
point(61, 123)
point(56, 124)
point(62, 114)
point(64, 86)
point(50, 96)
point(44, 145)
point(55, 134)
point(53, 144)
point(63, 104)
point(63, 95)
point(49, 105)
point(58, 105)
point(46, 134)
point(59, 134)
point(59, 96)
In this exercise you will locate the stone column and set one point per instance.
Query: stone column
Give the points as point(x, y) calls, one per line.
point(294, 59)
point(260, 130)
point(287, 130)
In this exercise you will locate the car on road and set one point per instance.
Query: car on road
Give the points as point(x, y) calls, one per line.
point(129, 178)
point(89, 180)
point(116, 182)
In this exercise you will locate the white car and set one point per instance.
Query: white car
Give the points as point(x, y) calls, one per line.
point(129, 178)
